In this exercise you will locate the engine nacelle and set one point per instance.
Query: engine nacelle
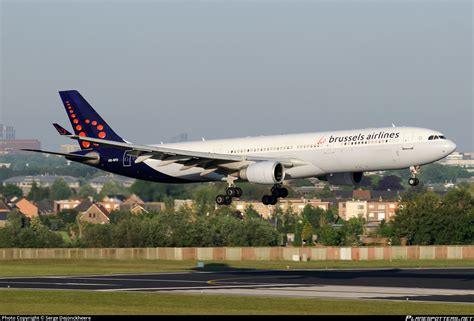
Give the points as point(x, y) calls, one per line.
point(348, 178)
point(266, 172)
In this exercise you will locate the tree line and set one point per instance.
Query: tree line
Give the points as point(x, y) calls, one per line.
point(423, 218)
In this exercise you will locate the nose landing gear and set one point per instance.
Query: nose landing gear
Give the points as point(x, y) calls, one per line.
point(277, 192)
point(414, 170)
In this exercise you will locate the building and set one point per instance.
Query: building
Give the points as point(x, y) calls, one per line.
point(98, 182)
point(381, 210)
point(26, 182)
point(7, 132)
point(180, 203)
point(112, 202)
point(62, 205)
point(350, 209)
point(95, 214)
point(69, 148)
point(15, 146)
point(45, 207)
point(464, 160)
point(297, 205)
point(5, 210)
point(371, 211)
point(27, 208)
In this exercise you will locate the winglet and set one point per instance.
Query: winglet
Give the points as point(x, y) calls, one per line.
point(62, 131)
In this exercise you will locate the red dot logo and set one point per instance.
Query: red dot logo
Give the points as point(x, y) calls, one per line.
point(102, 135)
point(94, 123)
point(73, 115)
point(76, 121)
point(78, 127)
point(87, 121)
point(85, 144)
point(100, 127)
point(82, 134)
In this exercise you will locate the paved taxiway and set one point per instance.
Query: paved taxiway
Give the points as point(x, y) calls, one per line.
point(449, 285)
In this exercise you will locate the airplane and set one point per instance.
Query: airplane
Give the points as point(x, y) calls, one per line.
point(339, 157)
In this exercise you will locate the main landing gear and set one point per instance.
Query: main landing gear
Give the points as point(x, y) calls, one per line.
point(230, 192)
point(277, 192)
point(414, 170)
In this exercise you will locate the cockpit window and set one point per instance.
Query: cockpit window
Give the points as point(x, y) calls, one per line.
point(433, 137)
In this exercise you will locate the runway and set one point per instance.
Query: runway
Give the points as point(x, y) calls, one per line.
point(442, 285)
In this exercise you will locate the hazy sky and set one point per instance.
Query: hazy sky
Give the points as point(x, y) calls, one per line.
point(154, 69)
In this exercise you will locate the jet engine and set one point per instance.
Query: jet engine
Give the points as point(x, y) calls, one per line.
point(265, 172)
point(348, 178)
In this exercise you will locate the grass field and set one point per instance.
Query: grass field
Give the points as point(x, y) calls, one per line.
point(87, 302)
point(80, 267)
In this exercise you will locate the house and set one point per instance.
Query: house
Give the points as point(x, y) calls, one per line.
point(134, 208)
point(371, 211)
point(62, 205)
point(133, 199)
point(112, 202)
point(98, 182)
point(27, 208)
point(361, 194)
point(381, 210)
point(265, 211)
point(83, 206)
point(5, 210)
point(26, 182)
point(95, 214)
point(350, 209)
point(180, 203)
point(298, 204)
point(45, 207)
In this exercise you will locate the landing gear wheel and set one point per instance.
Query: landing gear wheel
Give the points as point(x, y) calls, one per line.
point(228, 200)
point(275, 190)
point(283, 192)
point(238, 192)
point(220, 199)
point(279, 191)
point(266, 199)
point(413, 181)
point(273, 200)
point(230, 191)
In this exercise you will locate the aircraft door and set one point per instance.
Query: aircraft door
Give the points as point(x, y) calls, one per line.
point(408, 140)
point(127, 158)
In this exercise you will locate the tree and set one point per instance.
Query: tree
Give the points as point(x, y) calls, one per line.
point(59, 190)
point(428, 219)
point(97, 235)
point(391, 182)
point(259, 232)
point(325, 193)
point(68, 216)
point(352, 229)
point(9, 191)
point(113, 188)
point(86, 191)
point(329, 236)
point(204, 199)
point(312, 215)
point(38, 193)
point(250, 212)
point(307, 234)
point(298, 231)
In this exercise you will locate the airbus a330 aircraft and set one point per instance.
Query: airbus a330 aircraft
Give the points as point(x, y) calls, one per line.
point(340, 157)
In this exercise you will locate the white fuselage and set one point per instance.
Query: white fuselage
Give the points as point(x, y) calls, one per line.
point(325, 152)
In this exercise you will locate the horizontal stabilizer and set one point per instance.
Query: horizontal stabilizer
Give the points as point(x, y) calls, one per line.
point(62, 131)
point(68, 156)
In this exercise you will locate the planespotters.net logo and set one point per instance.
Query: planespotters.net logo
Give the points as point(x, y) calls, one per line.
point(439, 318)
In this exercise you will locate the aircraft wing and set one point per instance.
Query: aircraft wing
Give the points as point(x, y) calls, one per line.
point(211, 162)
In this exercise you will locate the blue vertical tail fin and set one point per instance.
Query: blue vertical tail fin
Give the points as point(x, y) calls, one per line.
point(85, 120)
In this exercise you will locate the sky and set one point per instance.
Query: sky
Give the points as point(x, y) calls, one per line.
point(218, 69)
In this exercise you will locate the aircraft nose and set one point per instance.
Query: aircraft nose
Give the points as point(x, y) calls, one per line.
point(449, 147)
